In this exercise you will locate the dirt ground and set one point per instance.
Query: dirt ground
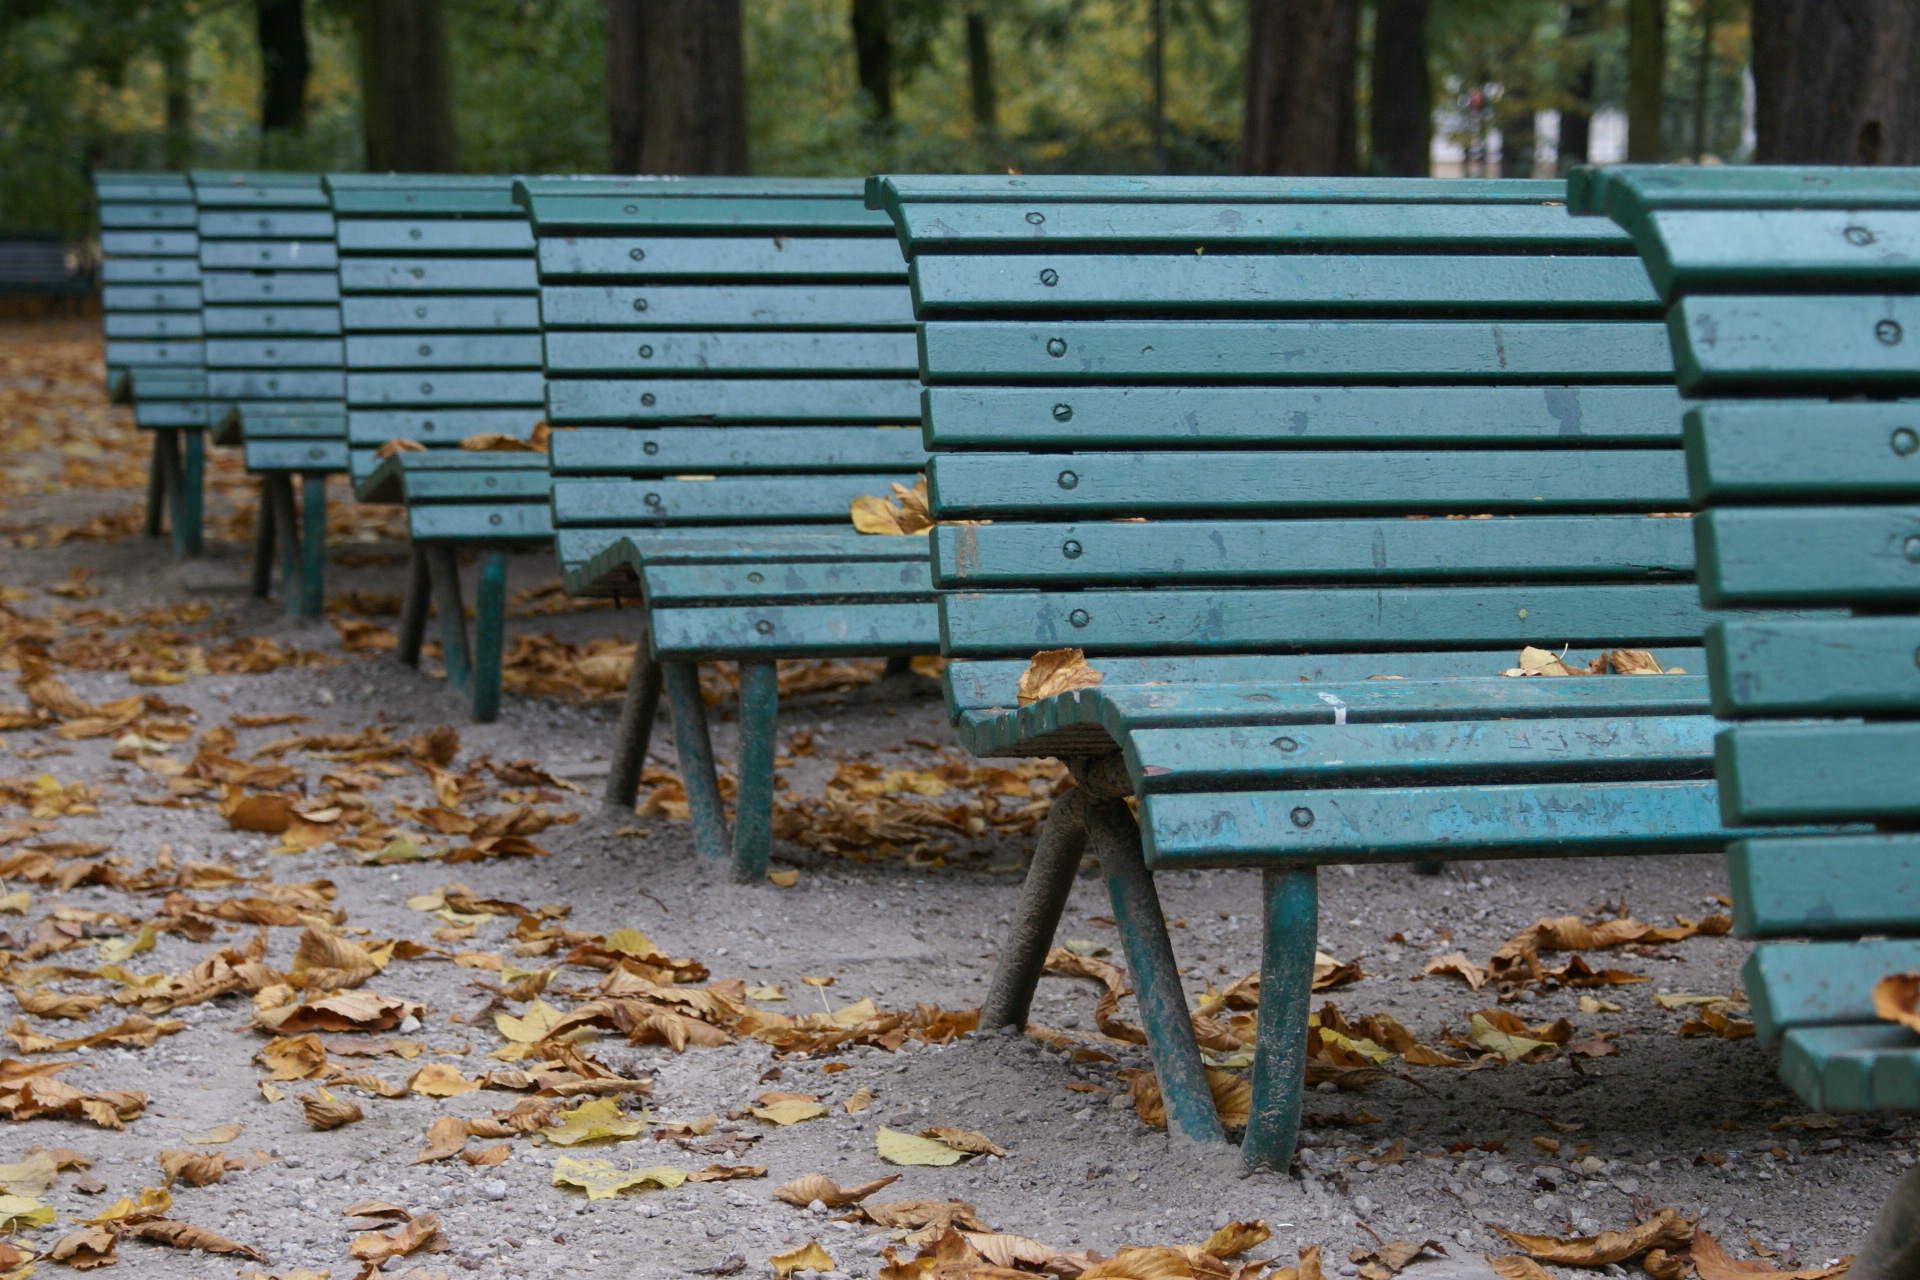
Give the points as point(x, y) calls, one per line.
point(1578, 1144)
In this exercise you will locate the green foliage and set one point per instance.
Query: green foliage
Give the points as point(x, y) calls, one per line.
point(530, 85)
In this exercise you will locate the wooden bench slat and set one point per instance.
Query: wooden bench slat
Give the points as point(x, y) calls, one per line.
point(124, 217)
point(489, 524)
point(741, 583)
point(812, 306)
point(149, 244)
point(154, 353)
point(1224, 284)
point(1625, 192)
point(972, 486)
point(443, 387)
point(373, 427)
point(253, 383)
point(894, 191)
point(587, 451)
point(1845, 666)
point(438, 275)
point(274, 353)
point(221, 290)
point(587, 401)
point(478, 485)
point(302, 321)
point(147, 324)
point(738, 215)
point(494, 200)
point(745, 500)
point(1755, 250)
point(1798, 556)
point(991, 624)
point(415, 235)
point(269, 255)
point(436, 351)
point(1350, 351)
point(291, 419)
point(1868, 1067)
point(721, 353)
point(1795, 345)
point(150, 271)
point(1819, 771)
point(1818, 984)
point(185, 298)
point(1754, 451)
point(266, 224)
point(794, 631)
point(490, 313)
point(720, 258)
point(294, 455)
point(1824, 886)
point(1251, 551)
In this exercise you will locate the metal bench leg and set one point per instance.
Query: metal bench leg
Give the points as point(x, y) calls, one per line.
point(753, 801)
point(453, 616)
point(413, 607)
point(898, 665)
point(489, 635)
point(167, 456)
point(313, 546)
point(157, 488)
point(1023, 956)
point(630, 741)
point(264, 528)
point(1115, 838)
point(186, 511)
point(697, 774)
point(286, 537)
point(1280, 1030)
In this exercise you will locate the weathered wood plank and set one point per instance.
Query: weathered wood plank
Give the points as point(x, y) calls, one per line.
point(1800, 556)
point(1825, 886)
point(1836, 667)
point(1833, 771)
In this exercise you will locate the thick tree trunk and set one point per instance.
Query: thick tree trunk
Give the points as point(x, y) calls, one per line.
point(284, 64)
point(676, 87)
point(1837, 81)
point(1647, 79)
point(980, 71)
point(873, 54)
point(1300, 111)
point(406, 87)
point(1576, 119)
point(1402, 123)
point(1518, 141)
point(178, 88)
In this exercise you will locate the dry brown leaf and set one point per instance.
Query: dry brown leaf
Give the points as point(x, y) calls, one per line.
point(1896, 998)
point(1053, 671)
point(964, 1140)
point(1457, 964)
point(1710, 1262)
point(294, 1057)
point(498, 442)
point(324, 1111)
point(1518, 1266)
point(195, 1168)
point(1146, 1262)
point(728, 1172)
point(440, 1080)
point(808, 1257)
point(42, 1003)
point(83, 1250)
point(377, 1246)
point(446, 1136)
point(906, 514)
point(487, 1155)
point(1666, 1229)
point(184, 1235)
point(398, 444)
point(818, 1186)
point(341, 1011)
point(1236, 1238)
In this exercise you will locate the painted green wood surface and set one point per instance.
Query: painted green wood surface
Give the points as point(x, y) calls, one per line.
point(155, 353)
point(272, 353)
point(891, 190)
point(793, 631)
point(1420, 754)
point(437, 275)
point(628, 307)
point(1464, 482)
point(360, 203)
point(437, 426)
point(296, 455)
point(605, 561)
point(745, 500)
point(277, 288)
point(1831, 771)
point(746, 583)
point(151, 271)
point(692, 215)
point(1864, 1067)
point(414, 235)
point(1825, 886)
point(275, 321)
point(587, 401)
point(150, 243)
point(666, 187)
point(443, 387)
point(150, 324)
point(1624, 191)
point(485, 485)
point(626, 451)
point(400, 478)
point(170, 413)
point(1801, 250)
point(115, 298)
point(1095, 417)
point(1802, 344)
point(769, 258)
point(1808, 556)
point(719, 353)
point(1810, 450)
point(144, 216)
point(1820, 983)
point(266, 224)
point(1575, 819)
point(1349, 351)
point(269, 255)
point(244, 383)
point(1842, 666)
point(444, 351)
point(1042, 225)
point(986, 624)
point(293, 419)
point(492, 312)
point(1228, 284)
point(1004, 554)
point(510, 522)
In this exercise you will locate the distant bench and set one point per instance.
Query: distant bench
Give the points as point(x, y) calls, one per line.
point(40, 267)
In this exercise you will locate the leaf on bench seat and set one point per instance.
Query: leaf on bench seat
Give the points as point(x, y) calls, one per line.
point(1055, 671)
point(906, 514)
point(398, 445)
point(498, 442)
point(1895, 998)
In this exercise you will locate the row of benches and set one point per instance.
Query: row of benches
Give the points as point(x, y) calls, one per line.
point(1299, 466)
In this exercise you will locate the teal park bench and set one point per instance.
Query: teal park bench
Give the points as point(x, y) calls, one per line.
point(442, 317)
point(272, 315)
point(1794, 321)
point(150, 299)
point(1251, 444)
point(729, 363)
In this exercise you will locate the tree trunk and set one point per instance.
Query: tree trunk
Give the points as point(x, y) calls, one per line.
point(178, 88)
point(1647, 79)
point(406, 89)
point(873, 54)
point(980, 72)
point(676, 87)
point(284, 65)
point(1576, 118)
point(1837, 81)
point(1300, 110)
point(1402, 124)
point(1518, 141)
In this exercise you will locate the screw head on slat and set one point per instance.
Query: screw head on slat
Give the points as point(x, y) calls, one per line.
point(1079, 618)
point(1889, 332)
point(1068, 480)
point(1070, 549)
point(1905, 441)
point(1057, 347)
point(764, 627)
point(1302, 817)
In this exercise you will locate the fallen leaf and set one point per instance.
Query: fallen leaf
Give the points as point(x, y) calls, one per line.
point(1710, 1262)
point(532, 1026)
point(906, 514)
point(151, 1203)
point(591, 1121)
point(966, 1140)
point(789, 1111)
point(324, 1111)
point(341, 1011)
point(1510, 1045)
point(378, 1246)
point(1517, 1266)
point(786, 878)
point(446, 1136)
point(293, 1057)
point(30, 1176)
point(818, 1186)
point(727, 1172)
point(1895, 998)
point(17, 1212)
point(1236, 1238)
point(601, 1180)
point(219, 1134)
point(1457, 964)
point(118, 950)
point(195, 1168)
point(905, 1148)
point(808, 1257)
point(1053, 671)
point(85, 1249)
point(42, 1003)
point(440, 1080)
point(1665, 1229)
point(859, 1100)
point(1594, 1004)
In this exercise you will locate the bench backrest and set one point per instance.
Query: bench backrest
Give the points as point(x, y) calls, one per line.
point(271, 289)
point(440, 309)
point(726, 351)
point(1359, 427)
point(149, 278)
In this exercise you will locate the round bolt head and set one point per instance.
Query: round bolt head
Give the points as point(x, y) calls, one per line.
point(1079, 618)
point(1302, 817)
point(1889, 332)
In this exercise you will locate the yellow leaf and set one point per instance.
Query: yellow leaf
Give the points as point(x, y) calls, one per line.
point(631, 942)
point(1508, 1045)
point(786, 879)
point(905, 1148)
point(1681, 999)
point(591, 1121)
point(152, 1202)
point(861, 1010)
point(1594, 1004)
point(29, 1177)
point(16, 903)
point(1895, 997)
point(859, 1100)
point(766, 993)
point(530, 1027)
point(1055, 671)
point(1457, 964)
point(23, 1211)
point(441, 1080)
point(220, 1133)
point(808, 1257)
point(790, 1111)
point(117, 949)
point(1236, 1237)
point(600, 1180)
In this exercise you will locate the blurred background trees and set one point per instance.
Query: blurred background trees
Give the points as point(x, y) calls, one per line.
point(1500, 88)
